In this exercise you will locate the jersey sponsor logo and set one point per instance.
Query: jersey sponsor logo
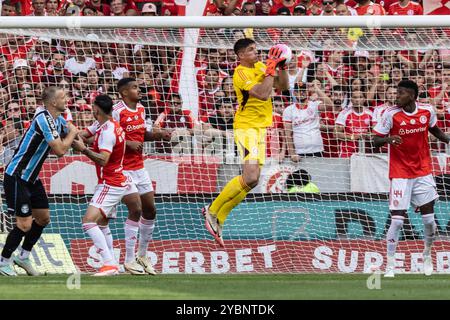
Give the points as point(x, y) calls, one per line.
point(403, 132)
point(135, 127)
point(50, 121)
point(423, 119)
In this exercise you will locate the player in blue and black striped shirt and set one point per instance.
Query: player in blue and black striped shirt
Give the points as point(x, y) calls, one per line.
point(25, 195)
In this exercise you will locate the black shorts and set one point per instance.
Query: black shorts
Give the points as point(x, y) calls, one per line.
point(22, 196)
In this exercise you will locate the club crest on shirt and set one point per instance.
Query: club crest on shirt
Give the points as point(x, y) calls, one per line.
point(25, 208)
point(423, 119)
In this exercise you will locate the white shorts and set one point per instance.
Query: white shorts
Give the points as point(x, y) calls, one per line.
point(106, 198)
point(417, 192)
point(140, 179)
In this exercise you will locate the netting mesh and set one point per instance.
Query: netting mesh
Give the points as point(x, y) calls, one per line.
point(340, 82)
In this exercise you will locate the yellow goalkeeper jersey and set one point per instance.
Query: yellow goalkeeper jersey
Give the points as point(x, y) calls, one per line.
point(252, 112)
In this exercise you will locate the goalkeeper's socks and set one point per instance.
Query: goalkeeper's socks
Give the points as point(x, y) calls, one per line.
point(32, 236)
point(131, 232)
point(232, 190)
point(393, 234)
point(146, 228)
point(429, 228)
point(109, 239)
point(99, 240)
point(24, 254)
point(12, 242)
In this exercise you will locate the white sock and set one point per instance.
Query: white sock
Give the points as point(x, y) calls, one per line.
point(24, 254)
point(131, 231)
point(109, 239)
point(97, 236)
point(146, 228)
point(429, 231)
point(393, 234)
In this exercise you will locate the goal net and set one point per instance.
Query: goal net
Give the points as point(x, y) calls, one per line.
point(327, 213)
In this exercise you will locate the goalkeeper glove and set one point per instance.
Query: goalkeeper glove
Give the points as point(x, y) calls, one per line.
point(274, 59)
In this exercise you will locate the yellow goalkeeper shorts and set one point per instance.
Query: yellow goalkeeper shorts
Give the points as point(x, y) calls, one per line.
point(251, 144)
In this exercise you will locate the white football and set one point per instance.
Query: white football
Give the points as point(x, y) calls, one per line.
point(287, 52)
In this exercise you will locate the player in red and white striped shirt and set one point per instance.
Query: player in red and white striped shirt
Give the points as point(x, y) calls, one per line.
point(107, 153)
point(405, 128)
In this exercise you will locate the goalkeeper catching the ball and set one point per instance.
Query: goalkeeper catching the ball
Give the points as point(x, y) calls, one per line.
point(253, 82)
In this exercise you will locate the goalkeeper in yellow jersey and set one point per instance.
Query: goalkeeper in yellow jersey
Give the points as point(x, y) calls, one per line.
point(253, 82)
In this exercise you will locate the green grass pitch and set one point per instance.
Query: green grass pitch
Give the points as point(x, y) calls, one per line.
point(223, 287)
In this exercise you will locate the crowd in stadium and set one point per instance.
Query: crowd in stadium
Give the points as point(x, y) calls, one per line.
point(334, 100)
point(215, 7)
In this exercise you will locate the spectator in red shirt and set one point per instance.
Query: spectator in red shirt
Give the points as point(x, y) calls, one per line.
point(118, 7)
point(15, 48)
point(328, 8)
point(405, 7)
point(290, 4)
point(368, 8)
point(51, 7)
point(38, 7)
point(207, 91)
point(9, 9)
point(439, 7)
point(352, 125)
point(333, 106)
point(181, 121)
point(102, 8)
point(55, 70)
point(226, 7)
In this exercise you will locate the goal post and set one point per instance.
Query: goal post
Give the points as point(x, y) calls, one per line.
point(338, 225)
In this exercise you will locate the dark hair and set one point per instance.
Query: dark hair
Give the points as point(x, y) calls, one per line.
point(80, 75)
point(298, 178)
point(104, 102)
point(338, 88)
point(278, 98)
point(124, 82)
point(242, 44)
point(224, 100)
point(298, 87)
point(173, 95)
point(284, 11)
point(424, 95)
point(409, 84)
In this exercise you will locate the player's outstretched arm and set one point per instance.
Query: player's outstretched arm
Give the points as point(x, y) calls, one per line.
point(60, 146)
point(441, 136)
point(101, 158)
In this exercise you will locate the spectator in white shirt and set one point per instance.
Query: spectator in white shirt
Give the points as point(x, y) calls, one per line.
point(302, 126)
